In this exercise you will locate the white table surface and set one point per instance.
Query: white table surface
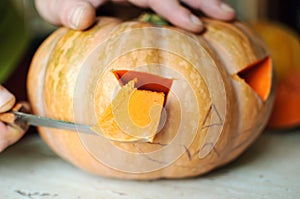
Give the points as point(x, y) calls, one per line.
point(270, 168)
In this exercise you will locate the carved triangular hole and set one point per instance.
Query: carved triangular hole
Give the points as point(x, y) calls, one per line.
point(145, 81)
point(259, 77)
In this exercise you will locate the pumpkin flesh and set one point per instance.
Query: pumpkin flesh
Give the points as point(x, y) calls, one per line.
point(134, 115)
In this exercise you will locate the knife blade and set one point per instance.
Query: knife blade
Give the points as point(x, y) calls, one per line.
point(21, 118)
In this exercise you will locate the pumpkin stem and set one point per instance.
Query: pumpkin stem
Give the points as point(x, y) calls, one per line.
point(154, 19)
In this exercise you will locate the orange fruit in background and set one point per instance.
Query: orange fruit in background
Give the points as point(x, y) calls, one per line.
point(284, 45)
point(286, 112)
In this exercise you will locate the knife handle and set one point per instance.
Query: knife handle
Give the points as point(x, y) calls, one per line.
point(10, 119)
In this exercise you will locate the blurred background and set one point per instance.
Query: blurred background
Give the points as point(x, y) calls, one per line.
point(22, 31)
point(283, 11)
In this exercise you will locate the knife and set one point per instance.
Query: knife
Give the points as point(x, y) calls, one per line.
point(17, 118)
point(22, 120)
point(34, 120)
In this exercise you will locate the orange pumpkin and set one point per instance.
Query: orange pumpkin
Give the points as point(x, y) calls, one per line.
point(218, 104)
point(284, 45)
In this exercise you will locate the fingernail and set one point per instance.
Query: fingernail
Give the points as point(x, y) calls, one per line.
point(195, 20)
point(226, 7)
point(7, 100)
point(76, 15)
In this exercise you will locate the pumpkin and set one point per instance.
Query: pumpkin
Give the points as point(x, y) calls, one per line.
point(284, 45)
point(214, 92)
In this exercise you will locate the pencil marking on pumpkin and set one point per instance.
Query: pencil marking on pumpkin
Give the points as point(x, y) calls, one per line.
point(212, 110)
point(188, 153)
point(216, 151)
point(154, 160)
point(209, 145)
point(158, 143)
point(148, 157)
point(205, 145)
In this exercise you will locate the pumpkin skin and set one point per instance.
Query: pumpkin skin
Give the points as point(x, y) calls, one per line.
point(213, 114)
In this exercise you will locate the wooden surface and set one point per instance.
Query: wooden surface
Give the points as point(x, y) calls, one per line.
point(270, 168)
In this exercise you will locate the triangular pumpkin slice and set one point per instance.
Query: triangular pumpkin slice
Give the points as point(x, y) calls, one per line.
point(133, 115)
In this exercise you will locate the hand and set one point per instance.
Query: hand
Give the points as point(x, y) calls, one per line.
point(8, 134)
point(80, 14)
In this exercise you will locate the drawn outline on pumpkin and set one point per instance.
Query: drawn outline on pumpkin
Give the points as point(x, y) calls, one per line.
point(209, 145)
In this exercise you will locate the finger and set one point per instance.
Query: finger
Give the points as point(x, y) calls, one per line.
point(140, 3)
point(177, 14)
point(75, 14)
point(7, 100)
point(213, 8)
point(9, 135)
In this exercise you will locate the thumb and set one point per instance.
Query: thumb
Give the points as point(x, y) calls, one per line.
point(7, 100)
point(75, 14)
point(9, 135)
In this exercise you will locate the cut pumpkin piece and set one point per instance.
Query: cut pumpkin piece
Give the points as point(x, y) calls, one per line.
point(133, 115)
